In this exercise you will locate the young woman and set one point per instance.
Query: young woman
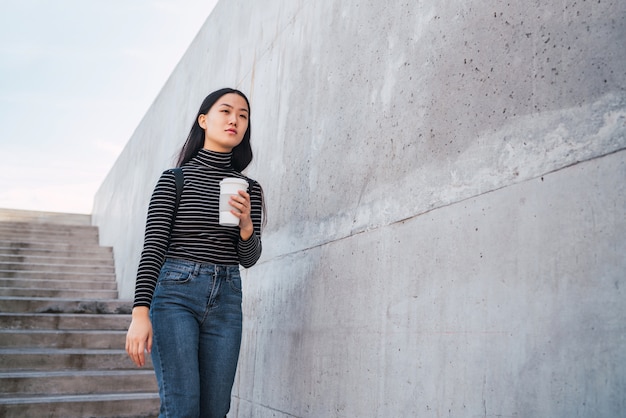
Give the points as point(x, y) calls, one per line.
point(187, 307)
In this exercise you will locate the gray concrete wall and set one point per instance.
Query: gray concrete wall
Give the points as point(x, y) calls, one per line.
point(446, 195)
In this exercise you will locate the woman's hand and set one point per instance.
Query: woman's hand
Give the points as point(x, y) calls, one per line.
point(139, 335)
point(241, 202)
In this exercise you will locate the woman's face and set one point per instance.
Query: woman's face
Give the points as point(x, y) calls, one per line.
point(225, 123)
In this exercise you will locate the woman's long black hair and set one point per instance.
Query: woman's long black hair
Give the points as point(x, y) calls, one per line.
point(242, 153)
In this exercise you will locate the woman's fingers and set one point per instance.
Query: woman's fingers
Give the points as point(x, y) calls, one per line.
point(135, 350)
point(241, 202)
point(139, 340)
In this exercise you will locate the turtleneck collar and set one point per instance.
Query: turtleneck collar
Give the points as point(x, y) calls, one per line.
point(210, 158)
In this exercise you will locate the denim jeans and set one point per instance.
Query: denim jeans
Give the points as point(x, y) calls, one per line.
point(196, 319)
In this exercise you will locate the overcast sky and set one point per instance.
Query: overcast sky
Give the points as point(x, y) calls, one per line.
point(76, 77)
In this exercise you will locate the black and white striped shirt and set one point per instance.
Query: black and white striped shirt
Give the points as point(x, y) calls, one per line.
point(196, 234)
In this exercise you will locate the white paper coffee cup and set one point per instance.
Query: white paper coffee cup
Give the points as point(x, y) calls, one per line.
point(230, 186)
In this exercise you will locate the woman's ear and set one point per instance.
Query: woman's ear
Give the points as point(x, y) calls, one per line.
point(202, 121)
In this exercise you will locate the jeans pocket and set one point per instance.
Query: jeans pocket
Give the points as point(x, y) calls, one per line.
point(173, 277)
point(235, 284)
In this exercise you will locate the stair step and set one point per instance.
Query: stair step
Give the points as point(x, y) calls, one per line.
point(99, 339)
point(64, 321)
point(56, 249)
point(41, 217)
point(56, 268)
point(35, 237)
point(59, 293)
point(49, 259)
point(58, 284)
point(127, 405)
point(40, 359)
point(53, 275)
point(44, 226)
point(47, 228)
point(76, 382)
point(53, 305)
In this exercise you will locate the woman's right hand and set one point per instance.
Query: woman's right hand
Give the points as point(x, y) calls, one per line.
point(139, 335)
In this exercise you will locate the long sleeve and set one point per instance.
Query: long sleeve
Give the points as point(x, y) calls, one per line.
point(249, 251)
point(156, 238)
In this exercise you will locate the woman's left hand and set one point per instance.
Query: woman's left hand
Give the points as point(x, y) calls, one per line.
point(241, 202)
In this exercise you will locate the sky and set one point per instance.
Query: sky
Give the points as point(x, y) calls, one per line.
point(76, 78)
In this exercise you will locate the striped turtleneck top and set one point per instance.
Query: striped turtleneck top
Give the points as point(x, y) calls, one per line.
point(196, 234)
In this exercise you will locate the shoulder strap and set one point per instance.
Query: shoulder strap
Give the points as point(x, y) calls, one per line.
point(180, 181)
point(251, 183)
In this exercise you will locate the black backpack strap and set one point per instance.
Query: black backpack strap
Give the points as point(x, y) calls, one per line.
point(251, 184)
point(180, 181)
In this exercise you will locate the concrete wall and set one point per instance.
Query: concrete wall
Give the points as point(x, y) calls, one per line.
point(446, 193)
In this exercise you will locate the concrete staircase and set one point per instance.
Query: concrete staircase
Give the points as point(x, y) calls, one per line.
point(62, 328)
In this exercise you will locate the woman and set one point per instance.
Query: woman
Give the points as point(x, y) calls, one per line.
point(187, 307)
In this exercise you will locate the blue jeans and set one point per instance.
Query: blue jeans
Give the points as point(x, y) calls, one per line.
point(196, 319)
